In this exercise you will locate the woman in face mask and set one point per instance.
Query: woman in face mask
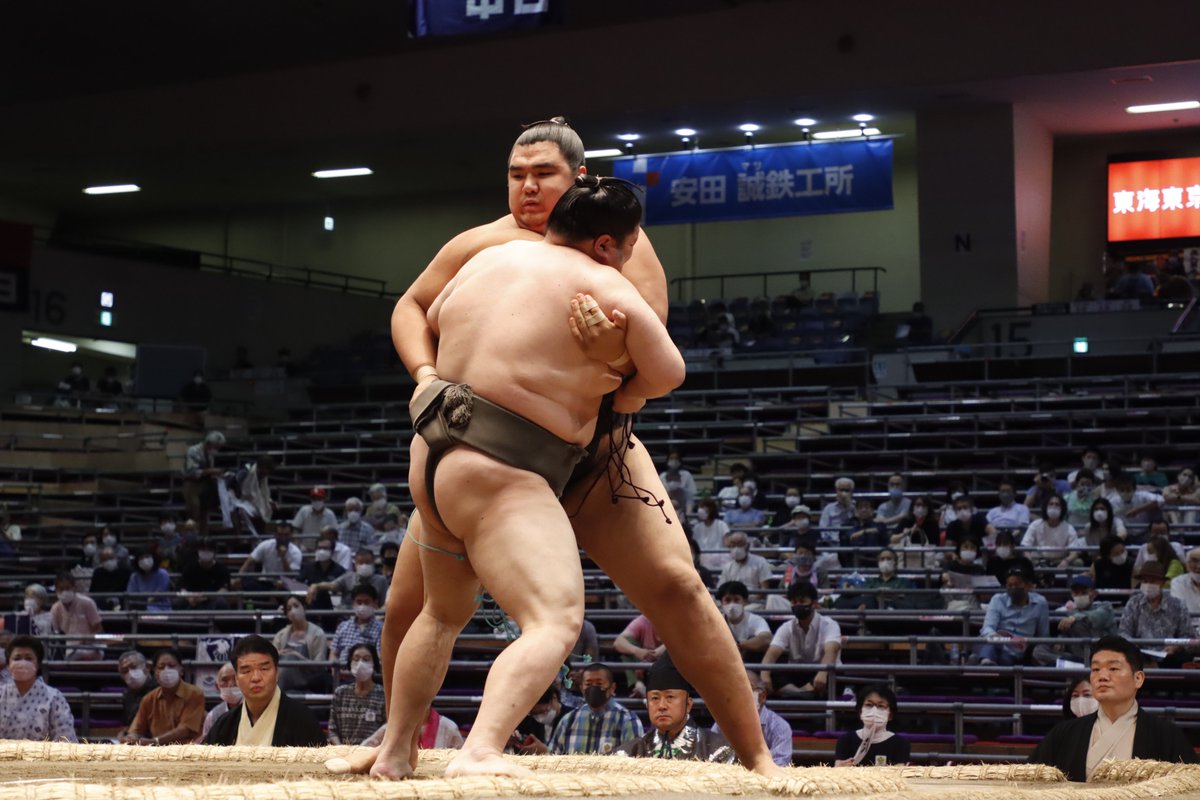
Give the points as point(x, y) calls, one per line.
point(148, 580)
point(710, 531)
point(918, 530)
point(675, 477)
point(1159, 548)
point(967, 561)
point(1047, 539)
point(885, 578)
point(1078, 700)
point(357, 709)
point(171, 714)
point(32, 709)
point(36, 607)
point(1113, 568)
point(873, 745)
point(1101, 524)
point(1184, 492)
point(298, 641)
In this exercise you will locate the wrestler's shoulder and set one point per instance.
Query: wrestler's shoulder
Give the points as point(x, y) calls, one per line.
point(501, 231)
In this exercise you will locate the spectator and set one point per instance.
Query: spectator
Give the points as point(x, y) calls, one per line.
point(274, 558)
point(1184, 492)
point(1150, 478)
point(131, 666)
point(200, 473)
point(357, 709)
point(196, 395)
point(89, 553)
point(918, 532)
point(110, 538)
point(710, 531)
point(797, 529)
point(231, 696)
point(887, 578)
point(1048, 539)
point(363, 627)
point(311, 520)
point(706, 575)
point(438, 733)
point(1100, 525)
point(1134, 284)
point(389, 554)
point(776, 731)
point(37, 620)
point(377, 512)
point(744, 566)
point(1045, 485)
point(321, 569)
point(10, 533)
point(266, 716)
point(1089, 460)
point(1137, 507)
point(152, 581)
point(355, 532)
point(111, 579)
point(873, 745)
point(639, 642)
point(1005, 557)
point(537, 729)
point(675, 735)
point(745, 515)
point(808, 566)
point(1160, 548)
point(782, 512)
point(840, 513)
point(1087, 618)
point(675, 477)
point(74, 385)
point(810, 638)
point(866, 530)
point(1081, 499)
point(749, 630)
point(343, 585)
point(204, 582)
point(251, 503)
point(600, 725)
point(1186, 587)
point(1009, 514)
point(110, 385)
point(1012, 616)
point(1078, 700)
point(1150, 614)
point(968, 524)
point(343, 556)
point(32, 709)
point(395, 526)
point(75, 614)
point(895, 509)
point(298, 642)
point(955, 490)
point(965, 562)
point(728, 494)
point(171, 714)
point(1117, 731)
point(1112, 568)
point(167, 542)
point(5, 640)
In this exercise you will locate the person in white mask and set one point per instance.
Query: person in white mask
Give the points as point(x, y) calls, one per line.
point(364, 626)
point(273, 557)
point(1078, 701)
point(1087, 617)
point(744, 514)
point(1047, 539)
point(749, 630)
point(1151, 614)
point(301, 640)
point(171, 714)
point(743, 566)
point(364, 571)
point(315, 517)
point(75, 614)
point(709, 531)
point(377, 511)
point(1186, 587)
point(29, 708)
point(873, 745)
point(357, 709)
point(135, 674)
point(354, 531)
point(35, 619)
point(1117, 729)
point(231, 696)
point(1184, 492)
point(676, 477)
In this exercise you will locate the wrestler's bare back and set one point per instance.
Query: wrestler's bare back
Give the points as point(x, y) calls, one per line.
point(501, 328)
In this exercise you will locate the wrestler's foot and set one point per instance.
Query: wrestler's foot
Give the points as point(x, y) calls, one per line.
point(484, 761)
point(357, 762)
point(395, 766)
point(768, 769)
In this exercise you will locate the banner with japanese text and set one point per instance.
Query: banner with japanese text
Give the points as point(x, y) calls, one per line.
point(767, 181)
point(467, 17)
point(1154, 199)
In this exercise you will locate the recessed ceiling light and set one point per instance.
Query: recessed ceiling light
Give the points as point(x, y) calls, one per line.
point(863, 117)
point(120, 188)
point(1150, 109)
point(749, 127)
point(350, 172)
point(608, 152)
point(805, 121)
point(848, 133)
point(53, 344)
point(629, 137)
point(685, 131)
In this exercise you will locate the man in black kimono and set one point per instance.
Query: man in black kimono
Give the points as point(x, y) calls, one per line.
point(673, 733)
point(1118, 730)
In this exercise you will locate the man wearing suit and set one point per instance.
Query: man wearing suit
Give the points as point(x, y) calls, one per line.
point(1118, 730)
point(266, 716)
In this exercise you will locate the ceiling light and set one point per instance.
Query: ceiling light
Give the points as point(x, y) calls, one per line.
point(1150, 109)
point(53, 344)
point(629, 137)
point(749, 127)
point(804, 122)
point(685, 131)
point(848, 133)
point(120, 188)
point(607, 152)
point(862, 117)
point(350, 172)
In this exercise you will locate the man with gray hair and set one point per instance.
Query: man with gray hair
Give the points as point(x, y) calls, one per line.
point(354, 531)
point(1187, 587)
point(377, 511)
point(139, 682)
point(840, 513)
point(200, 472)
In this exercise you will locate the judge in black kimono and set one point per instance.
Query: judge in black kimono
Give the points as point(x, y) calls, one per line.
point(673, 734)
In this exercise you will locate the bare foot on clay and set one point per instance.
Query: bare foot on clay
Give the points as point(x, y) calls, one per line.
point(484, 761)
point(358, 762)
point(392, 767)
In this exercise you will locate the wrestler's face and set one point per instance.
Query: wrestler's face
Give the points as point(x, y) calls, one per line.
point(257, 676)
point(668, 708)
point(1113, 679)
point(538, 175)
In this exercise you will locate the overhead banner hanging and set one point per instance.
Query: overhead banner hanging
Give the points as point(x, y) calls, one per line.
point(766, 181)
point(467, 17)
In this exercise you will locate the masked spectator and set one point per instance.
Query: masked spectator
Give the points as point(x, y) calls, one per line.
point(135, 674)
point(745, 515)
point(873, 745)
point(1081, 498)
point(300, 641)
point(809, 566)
point(205, 581)
point(32, 709)
point(600, 725)
point(354, 531)
point(1078, 700)
point(377, 512)
point(1086, 618)
point(749, 630)
point(1009, 514)
point(839, 514)
point(537, 729)
point(709, 531)
point(364, 626)
point(1045, 484)
point(344, 584)
point(1113, 568)
point(357, 709)
point(311, 520)
point(918, 532)
point(1012, 616)
point(744, 566)
point(866, 531)
point(968, 524)
point(1150, 478)
point(1047, 539)
point(109, 537)
point(1005, 557)
point(231, 697)
point(110, 579)
point(171, 714)
point(1186, 587)
point(1137, 507)
point(76, 614)
point(727, 496)
point(1089, 460)
point(894, 510)
point(809, 638)
point(37, 621)
point(1152, 614)
point(151, 581)
point(1184, 492)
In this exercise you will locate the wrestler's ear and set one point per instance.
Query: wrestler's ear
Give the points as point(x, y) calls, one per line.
point(605, 248)
point(582, 169)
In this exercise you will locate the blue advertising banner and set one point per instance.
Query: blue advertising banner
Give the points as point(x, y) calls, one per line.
point(466, 17)
point(770, 181)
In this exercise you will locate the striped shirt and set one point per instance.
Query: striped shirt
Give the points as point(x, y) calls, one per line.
point(585, 731)
point(350, 633)
point(354, 717)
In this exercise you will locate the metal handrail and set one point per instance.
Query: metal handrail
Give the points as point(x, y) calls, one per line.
point(766, 275)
